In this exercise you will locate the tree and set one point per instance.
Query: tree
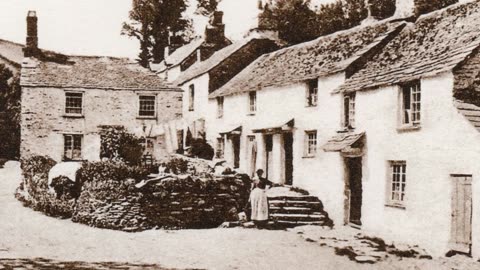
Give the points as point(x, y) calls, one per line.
point(9, 114)
point(152, 22)
point(294, 19)
point(207, 7)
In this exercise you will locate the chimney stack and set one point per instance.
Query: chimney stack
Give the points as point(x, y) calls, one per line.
point(31, 48)
point(215, 32)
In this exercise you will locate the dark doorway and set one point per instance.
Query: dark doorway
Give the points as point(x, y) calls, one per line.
point(354, 186)
point(288, 147)
point(268, 151)
point(236, 151)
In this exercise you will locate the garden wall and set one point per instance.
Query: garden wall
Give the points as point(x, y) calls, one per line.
point(111, 200)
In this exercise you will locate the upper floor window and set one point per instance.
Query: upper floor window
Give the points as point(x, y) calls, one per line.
point(411, 104)
point(349, 111)
point(73, 103)
point(220, 107)
point(252, 102)
point(312, 93)
point(72, 149)
point(311, 143)
point(146, 106)
point(397, 182)
point(191, 98)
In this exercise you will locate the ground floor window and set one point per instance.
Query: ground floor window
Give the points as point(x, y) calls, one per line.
point(310, 143)
point(72, 147)
point(397, 183)
point(220, 149)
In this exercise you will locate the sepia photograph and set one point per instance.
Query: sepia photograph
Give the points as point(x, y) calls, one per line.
point(240, 134)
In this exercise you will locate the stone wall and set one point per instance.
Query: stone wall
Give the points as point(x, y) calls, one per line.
point(172, 204)
point(44, 121)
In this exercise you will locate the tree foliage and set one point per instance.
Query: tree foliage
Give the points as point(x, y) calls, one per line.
point(152, 22)
point(207, 7)
point(10, 93)
point(297, 22)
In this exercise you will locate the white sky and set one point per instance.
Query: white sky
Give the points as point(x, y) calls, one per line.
point(92, 27)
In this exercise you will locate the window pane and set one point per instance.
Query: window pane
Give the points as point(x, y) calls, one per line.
point(73, 103)
point(147, 106)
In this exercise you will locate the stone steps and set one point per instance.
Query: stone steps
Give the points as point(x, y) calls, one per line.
point(291, 211)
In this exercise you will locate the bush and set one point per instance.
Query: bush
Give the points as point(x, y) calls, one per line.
point(201, 149)
point(176, 166)
point(119, 145)
point(116, 171)
point(34, 191)
point(66, 188)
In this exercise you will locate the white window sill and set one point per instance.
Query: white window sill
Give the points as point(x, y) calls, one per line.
point(73, 116)
point(396, 206)
point(251, 114)
point(408, 128)
point(147, 117)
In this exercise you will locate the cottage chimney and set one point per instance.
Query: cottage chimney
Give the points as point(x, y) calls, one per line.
point(31, 48)
point(371, 16)
point(199, 55)
point(215, 32)
point(405, 8)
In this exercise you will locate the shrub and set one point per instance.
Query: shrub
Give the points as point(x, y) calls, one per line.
point(176, 166)
point(116, 171)
point(119, 145)
point(34, 191)
point(66, 188)
point(201, 149)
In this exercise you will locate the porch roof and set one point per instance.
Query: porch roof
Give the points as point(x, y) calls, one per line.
point(273, 125)
point(342, 141)
point(232, 129)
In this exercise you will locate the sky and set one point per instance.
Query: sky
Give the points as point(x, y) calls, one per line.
point(93, 27)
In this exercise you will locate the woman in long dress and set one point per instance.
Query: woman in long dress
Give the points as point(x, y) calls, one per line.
point(258, 199)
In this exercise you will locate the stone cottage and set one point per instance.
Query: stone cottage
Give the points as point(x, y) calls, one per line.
point(67, 101)
point(415, 170)
point(178, 59)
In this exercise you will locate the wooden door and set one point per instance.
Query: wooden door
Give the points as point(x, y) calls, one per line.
point(268, 155)
point(461, 231)
point(354, 182)
point(236, 151)
point(288, 147)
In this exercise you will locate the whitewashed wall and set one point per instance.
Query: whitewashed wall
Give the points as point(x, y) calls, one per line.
point(446, 144)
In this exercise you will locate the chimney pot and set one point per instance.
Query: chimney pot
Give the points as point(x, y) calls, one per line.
point(217, 18)
point(405, 8)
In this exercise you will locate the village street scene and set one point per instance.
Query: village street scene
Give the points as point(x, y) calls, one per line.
point(240, 134)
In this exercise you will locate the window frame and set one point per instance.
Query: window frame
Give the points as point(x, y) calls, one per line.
point(82, 103)
point(252, 102)
point(348, 112)
point(397, 176)
point(220, 148)
point(220, 106)
point(139, 114)
point(311, 99)
point(411, 116)
point(311, 143)
point(72, 146)
point(191, 98)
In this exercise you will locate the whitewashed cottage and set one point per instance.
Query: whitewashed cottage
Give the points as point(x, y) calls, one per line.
point(380, 121)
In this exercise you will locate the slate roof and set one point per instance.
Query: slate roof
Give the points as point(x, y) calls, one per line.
point(435, 43)
point(323, 56)
point(470, 112)
point(11, 52)
point(342, 141)
point(91, 72)
point(180, 54)
point(203, 67)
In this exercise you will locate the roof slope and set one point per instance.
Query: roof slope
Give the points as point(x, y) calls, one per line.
point(180, 54)
point(92, 73)
point(320, 57)
point(435, 43)
point(470, 112)
point(12, 52)
point(203, 67)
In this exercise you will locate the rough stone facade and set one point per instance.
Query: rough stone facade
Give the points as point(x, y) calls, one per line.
point(44, 122)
